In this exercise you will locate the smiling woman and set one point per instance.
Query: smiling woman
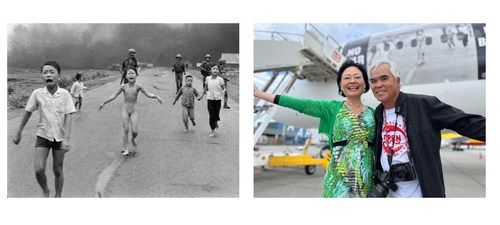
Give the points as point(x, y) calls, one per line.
point(349, 126)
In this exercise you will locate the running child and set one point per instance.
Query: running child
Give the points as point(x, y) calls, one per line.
point(215, 88)
point(55, 107)
point(77, 91)
point(129, 109)
point(188, 93)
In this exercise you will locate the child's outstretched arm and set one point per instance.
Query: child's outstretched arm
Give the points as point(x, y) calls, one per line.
point(178, 95)
point(205, 89)
point(17, 137)
point(202, 94)
point(149, 95)
point(196, 94)
point(111, 98)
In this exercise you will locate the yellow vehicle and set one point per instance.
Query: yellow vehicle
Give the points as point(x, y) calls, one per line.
point(300, 158)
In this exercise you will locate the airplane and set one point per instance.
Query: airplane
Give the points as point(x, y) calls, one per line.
point(453, 67)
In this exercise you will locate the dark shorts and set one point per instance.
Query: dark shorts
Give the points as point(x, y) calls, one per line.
point(42, 142)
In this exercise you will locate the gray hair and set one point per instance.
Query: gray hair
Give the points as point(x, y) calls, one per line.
point(392, 68)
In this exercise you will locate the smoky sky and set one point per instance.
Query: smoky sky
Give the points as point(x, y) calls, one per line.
point(100, 45)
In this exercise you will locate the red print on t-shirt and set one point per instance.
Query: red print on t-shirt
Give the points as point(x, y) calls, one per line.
point(389, 141)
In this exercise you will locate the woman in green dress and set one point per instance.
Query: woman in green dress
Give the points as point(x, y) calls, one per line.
point(349, 126)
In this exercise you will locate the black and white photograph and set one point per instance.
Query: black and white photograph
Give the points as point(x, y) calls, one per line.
point(123, 110)
point(249, 112)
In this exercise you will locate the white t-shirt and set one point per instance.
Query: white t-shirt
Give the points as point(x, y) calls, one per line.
point(408, 189)
point(77, 89)
point(53, 109)
point(215, 88)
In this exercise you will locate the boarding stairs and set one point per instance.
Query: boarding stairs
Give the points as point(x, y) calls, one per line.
point(311, 56)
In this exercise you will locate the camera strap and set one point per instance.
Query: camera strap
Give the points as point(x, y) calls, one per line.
point(391, 155)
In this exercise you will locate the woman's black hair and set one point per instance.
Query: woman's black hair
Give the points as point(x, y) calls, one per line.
point(348, 63)
point(78, 76)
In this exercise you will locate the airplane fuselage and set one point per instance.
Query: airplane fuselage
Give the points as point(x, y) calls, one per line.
point(442, 60)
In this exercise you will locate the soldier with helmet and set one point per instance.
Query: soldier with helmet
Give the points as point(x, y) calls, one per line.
point(222, 65)
point(179, 70)
point(205, 68)
point(129, 63)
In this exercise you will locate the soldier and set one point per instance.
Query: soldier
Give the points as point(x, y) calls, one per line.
point(205, 68)
point(179, 69)
point(129, 63)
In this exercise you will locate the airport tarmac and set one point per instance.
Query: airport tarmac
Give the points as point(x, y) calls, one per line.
point(464, 175)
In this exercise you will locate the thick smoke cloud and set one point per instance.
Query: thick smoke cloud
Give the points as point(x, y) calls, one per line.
point(100, 45)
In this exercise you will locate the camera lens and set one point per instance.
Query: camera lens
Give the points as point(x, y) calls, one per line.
point(398, 176)
point(379, 191)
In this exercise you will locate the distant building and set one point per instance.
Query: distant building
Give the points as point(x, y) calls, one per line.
point(232, 61)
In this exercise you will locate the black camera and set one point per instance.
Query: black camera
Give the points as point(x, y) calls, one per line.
point(383, 183)
point(403, 172)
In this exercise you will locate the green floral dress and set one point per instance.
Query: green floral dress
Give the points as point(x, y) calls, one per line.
point(349, 173)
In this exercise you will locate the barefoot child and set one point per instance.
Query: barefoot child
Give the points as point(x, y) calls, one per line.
point(54, 128)
point(215, 88)
point(129, 109)
point(188, 93)
point(77, 91)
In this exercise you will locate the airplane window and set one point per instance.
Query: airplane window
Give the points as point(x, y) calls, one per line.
point(413, 42)
point(399, 45)
point(386, 46)
point(428, 41)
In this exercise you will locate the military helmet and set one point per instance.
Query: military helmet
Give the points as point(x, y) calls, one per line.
point(222, 61)
point(178, 56)
point(208, 56)
point(131, 51)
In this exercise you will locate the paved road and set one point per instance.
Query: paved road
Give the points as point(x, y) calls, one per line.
point(464, 173)
point(169, 162)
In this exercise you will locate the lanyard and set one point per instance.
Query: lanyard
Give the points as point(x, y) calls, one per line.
point(389, 156)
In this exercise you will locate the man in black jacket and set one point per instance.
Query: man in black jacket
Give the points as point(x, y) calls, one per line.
point(408, 134)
